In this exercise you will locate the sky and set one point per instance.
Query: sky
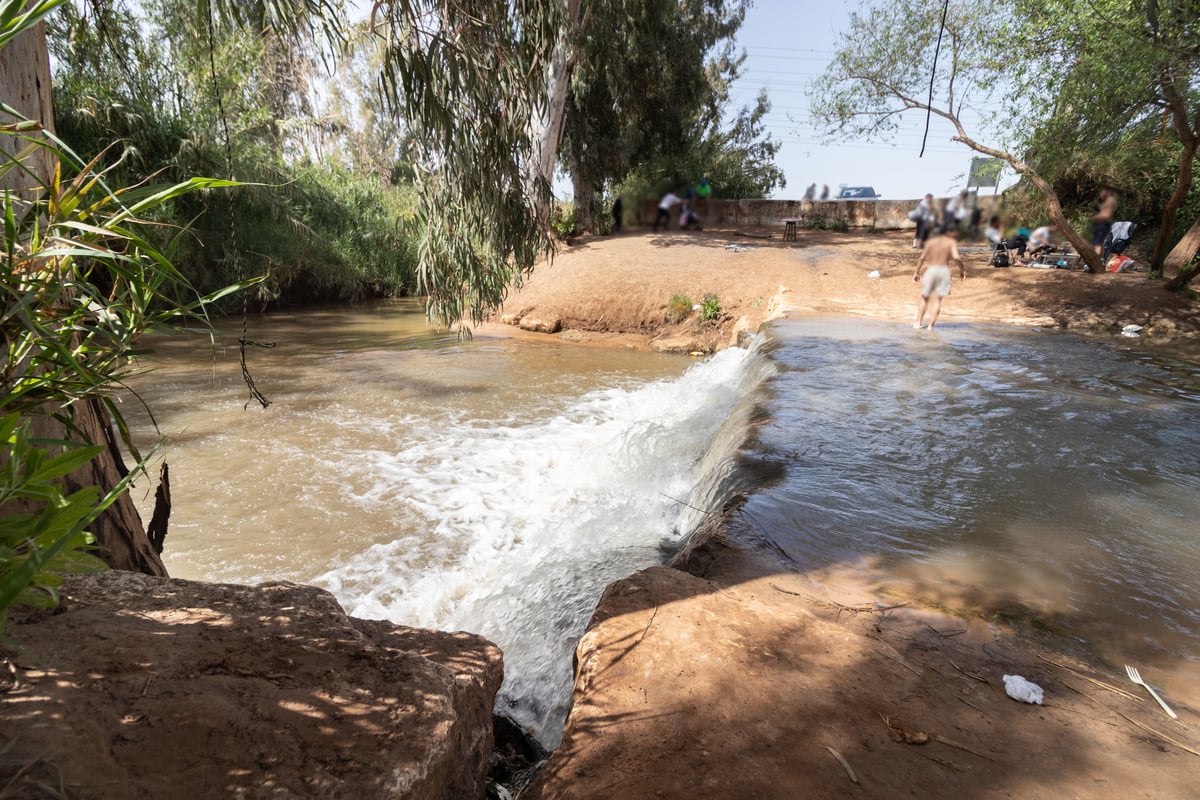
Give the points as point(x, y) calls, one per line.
point(788, 43)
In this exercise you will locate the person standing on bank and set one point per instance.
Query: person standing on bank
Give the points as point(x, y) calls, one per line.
point(938, 253)
point(664, 210)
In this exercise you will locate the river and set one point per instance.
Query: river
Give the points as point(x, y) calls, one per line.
point(497, 485)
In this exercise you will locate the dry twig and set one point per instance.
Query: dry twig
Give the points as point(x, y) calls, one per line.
point(979, 678)
point(1162, 736)
point(1114, 689)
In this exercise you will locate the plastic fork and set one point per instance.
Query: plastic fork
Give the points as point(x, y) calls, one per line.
point(1137, 678)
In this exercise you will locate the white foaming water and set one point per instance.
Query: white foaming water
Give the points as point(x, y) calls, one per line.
point(512, 528)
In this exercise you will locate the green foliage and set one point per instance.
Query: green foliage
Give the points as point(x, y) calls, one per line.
point(670, 131)
point(740, 162)
point(16, 17)
point(562, 221)
point(81, 278)
point(678, 308)
point(316, 232)
point(710, 308)
point(469, 98)
point(37, 546)
point(821, 222)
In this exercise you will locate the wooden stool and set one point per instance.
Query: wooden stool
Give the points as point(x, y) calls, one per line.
point(789, 230)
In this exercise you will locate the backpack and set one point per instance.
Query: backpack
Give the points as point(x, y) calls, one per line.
point(1000, 259)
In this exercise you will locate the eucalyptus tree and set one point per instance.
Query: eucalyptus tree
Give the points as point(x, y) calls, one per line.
point(1049, 83)
point(884, 67)
point(649, 84)
point(471, 78)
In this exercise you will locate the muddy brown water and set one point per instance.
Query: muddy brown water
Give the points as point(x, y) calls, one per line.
point(498, 485)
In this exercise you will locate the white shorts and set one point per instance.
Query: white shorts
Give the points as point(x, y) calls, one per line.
point(936, 281)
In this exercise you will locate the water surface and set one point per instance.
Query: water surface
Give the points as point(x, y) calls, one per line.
point(498, 485)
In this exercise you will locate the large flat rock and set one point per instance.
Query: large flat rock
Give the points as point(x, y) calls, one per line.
point(752, 683)
point(140, 687)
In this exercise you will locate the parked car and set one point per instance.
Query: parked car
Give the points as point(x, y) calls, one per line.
point(857, 193)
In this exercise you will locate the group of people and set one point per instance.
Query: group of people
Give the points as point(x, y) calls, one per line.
point(688, 218)
point(1028, 244)
point(956, 213)
point(811, 192)
point(938, 253)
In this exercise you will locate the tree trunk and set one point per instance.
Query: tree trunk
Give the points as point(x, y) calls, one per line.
point(1183, 125)
point(1180, 256)
point(1159, 260)
point(118, 531)
point(25, 85)
point(547, 129)
point(1086, 252)
point(585, 202)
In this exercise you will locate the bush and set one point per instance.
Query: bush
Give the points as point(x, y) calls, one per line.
point(562, 221)
point(820, 222)
point(678, 308)
point(710, 308)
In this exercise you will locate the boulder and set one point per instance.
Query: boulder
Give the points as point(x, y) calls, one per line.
point(539, 325)
point(142, 687)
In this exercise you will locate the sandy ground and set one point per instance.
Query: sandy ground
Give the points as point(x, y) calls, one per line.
point(618, 288)
point(731, 676)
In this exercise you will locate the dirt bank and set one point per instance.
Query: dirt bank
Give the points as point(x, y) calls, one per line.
point(732, 676)
point(619, 287)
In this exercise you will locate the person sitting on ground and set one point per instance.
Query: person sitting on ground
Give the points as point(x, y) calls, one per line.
point(688, 219)
point(664, 210)
point(1041, 240)
point(992, 232)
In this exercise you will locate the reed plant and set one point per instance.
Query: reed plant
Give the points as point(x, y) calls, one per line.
point(84, 272)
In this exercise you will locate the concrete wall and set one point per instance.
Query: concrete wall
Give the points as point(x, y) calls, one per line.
point(869, 214)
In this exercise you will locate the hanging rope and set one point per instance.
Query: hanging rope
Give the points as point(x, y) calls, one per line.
point(932, 73)
point(232, 251)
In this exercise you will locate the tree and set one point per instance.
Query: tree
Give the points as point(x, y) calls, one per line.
point(1123, 71)
point(1087, 76)
point(27, 166)
point(649, 86)
point(882, 69)
point(469, 76)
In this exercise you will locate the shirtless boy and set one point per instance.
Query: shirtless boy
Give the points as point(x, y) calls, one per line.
point(939, 252)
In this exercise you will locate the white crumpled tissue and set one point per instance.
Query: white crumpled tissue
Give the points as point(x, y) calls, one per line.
point(1020, 689)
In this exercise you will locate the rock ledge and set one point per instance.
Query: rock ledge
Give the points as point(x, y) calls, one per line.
point(140, 687)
